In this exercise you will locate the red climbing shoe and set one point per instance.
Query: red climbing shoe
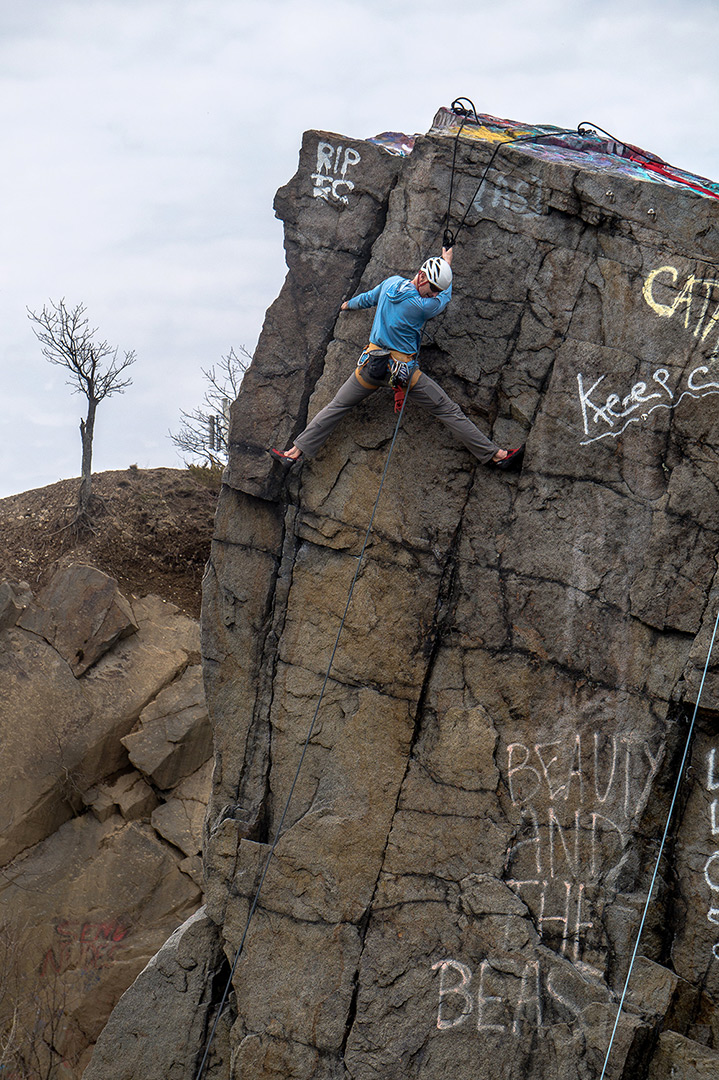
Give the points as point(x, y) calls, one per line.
point(511, 462)
point(284, 458)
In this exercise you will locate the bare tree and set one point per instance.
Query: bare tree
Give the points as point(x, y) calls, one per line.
point(95, 369)
point(37, 1033)
point(203, 432)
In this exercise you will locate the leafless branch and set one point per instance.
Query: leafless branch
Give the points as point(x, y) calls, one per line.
point(203, 432)
point(95, 368)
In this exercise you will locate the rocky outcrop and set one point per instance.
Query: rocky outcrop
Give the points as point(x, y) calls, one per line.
point(468, 849)
point(100, 859)
point(158, 1025)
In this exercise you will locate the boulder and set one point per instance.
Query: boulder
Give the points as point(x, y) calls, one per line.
point(129, 793)
point(116, 890)
point(174, 737)
point(14, 598)
point(181, 817)
point(81, 613)
point(87, 898)
point(158, 1023)
point(60, 735)
point(677, 1057)
point(464, 858)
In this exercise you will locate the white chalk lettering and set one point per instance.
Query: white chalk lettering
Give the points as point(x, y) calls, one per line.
point(530, 1001)
point(606, 415)
point(461, 989)
point(610, 781)
point(505, 1000)
point(577, 812)
point(488, 1003)
point(331, 172)
point(556, 771)
point(614, 414)
point(571, 855)
point(513, 769)
point(702, 372)
point(714, 808)
point(712, 781)
point(711, 866)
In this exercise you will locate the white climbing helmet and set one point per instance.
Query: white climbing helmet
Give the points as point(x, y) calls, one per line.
point(438, 273)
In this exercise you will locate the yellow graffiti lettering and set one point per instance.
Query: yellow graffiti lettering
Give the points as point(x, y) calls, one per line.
point(663, 310)
point(711, 324)
point(685, 297)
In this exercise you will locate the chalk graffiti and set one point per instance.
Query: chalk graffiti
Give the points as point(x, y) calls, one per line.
point(516, 196)
point(579, 800)
point(617, 413)
point(330, 177)
point(711, 867)
point(83, 946)
point(694, 299)
point(698, 301)
point(618, 768)
point(502, 996)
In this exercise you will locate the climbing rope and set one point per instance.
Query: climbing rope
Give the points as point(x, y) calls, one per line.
point(661, 848)
point(459, 110)
point(450, 238)
point(467, 114)
point(310, 731)
point(470, 114)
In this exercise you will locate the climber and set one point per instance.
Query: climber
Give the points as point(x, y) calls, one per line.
point(403, 307)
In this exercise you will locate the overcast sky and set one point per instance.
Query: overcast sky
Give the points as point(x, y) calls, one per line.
point(145, 139)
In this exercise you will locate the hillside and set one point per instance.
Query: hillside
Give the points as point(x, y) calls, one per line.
point(151, 532)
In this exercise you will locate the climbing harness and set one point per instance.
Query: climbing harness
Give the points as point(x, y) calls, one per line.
point(400, 373)
point(375, 363)
point(310, 731)
point(661, 848)
point(401, 378)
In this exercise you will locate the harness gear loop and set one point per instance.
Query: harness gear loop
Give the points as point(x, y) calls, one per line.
point(401, 372)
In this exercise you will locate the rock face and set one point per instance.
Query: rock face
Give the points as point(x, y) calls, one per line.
point(469, 846)
point(100, 859)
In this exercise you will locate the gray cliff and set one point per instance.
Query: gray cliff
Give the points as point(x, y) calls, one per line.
point(469, 847)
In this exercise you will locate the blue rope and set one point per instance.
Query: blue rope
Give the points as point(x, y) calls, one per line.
point(661, 849)
point(304, 750)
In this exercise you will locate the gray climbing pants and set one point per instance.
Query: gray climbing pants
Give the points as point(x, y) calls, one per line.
point(425, 392)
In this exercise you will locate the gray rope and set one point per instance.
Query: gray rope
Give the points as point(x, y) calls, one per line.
point(304, 751)
point(661, 849)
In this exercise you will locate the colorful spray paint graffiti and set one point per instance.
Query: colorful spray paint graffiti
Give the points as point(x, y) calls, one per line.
point(87, 947)
point(594, 149)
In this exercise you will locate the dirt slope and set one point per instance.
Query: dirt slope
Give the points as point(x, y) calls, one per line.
point(151, 531)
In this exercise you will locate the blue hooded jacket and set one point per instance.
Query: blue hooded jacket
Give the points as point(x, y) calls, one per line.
point(401, 312)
